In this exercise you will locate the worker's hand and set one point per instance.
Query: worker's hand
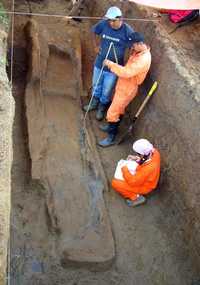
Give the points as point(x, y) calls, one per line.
point(107, 62)
point(133, 157)
point(122, 162)
point(96, 49)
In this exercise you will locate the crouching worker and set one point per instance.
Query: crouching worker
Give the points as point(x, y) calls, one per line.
point(130, 77)
point(145, 178)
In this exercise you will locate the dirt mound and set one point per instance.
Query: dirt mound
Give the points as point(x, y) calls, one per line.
point(75, 203)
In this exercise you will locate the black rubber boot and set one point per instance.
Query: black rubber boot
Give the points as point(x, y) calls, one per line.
point(112, 132)
point(133, 203)
point(108, 141)
point(93, 105)
point(101, 111)
point(104, 127)
point(111, 127)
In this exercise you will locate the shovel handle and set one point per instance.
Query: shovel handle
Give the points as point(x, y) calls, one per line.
point(150, 93)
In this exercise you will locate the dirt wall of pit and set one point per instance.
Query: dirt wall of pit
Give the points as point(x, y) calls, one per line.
point(171, 121)
point(6, 121)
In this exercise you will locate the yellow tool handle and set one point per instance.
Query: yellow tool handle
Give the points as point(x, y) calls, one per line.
point(153, 88)
point(150, 93)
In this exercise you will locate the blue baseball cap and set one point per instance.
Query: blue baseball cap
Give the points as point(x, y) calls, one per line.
point(113, 13)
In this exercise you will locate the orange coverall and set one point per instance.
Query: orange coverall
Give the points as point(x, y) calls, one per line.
point(142, 182)
point(130, 76)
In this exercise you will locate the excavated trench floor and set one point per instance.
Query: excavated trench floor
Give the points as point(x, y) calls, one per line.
point(67, 225)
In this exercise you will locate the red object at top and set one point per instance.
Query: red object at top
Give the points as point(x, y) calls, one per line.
point(177, 15)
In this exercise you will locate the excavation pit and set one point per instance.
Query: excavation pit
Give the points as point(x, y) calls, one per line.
point(67, 226)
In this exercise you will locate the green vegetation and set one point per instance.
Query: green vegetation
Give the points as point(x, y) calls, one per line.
point(3, 16)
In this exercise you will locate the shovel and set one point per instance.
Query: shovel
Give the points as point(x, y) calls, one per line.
point(129, 131)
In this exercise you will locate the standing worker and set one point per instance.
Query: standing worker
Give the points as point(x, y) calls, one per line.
point(145, 180)
point(115, 36)
point(130, 77)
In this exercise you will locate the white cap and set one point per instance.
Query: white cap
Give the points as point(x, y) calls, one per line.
point(113, 12)
point(143, 147)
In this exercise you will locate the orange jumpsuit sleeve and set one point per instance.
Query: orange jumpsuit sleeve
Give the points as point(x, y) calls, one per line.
point(139, 177)
point(129, 70)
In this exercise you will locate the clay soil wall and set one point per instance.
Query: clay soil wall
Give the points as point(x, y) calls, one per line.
point(171, 121)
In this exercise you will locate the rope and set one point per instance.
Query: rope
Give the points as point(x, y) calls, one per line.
point(115, 54)
point(73, 17)
point(97, 82)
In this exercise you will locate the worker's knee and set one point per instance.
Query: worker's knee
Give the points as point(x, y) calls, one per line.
point(114, 183)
